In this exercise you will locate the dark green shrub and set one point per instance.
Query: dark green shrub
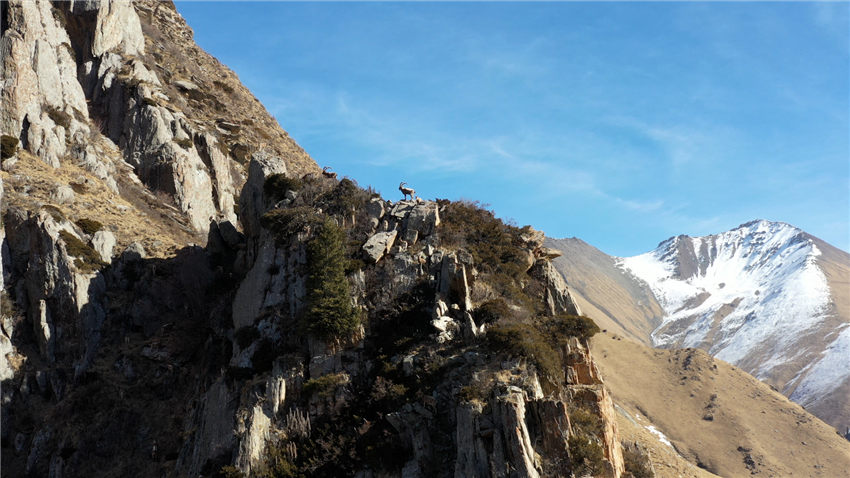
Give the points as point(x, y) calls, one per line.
point(277, 464)
point(343, 199)
point(475, 391)
point(585, 422)
point(524, 340)
point(87, 259)
point(324, 386)
point(238, 373)
point(285, 223)
point(8, 146)
point(7, 306)
point(229, 471)
point(54, 212)
point(330, 314)
point(491, 311)
point(89, 226)
point(494, 245)
point(264, 356)
point(586, 456)
point(276, 186)
point(637, 463)
point(564, 326)
point(385, 392)
point(184, 143)
point(59, 117)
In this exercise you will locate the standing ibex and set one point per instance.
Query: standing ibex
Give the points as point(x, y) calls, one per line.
point(326, 172)
point(406, 190)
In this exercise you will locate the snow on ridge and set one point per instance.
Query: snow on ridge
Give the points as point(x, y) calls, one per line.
point(760, 277)
point(826, 374)
point(661, 436)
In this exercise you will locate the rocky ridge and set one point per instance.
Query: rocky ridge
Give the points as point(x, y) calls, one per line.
point(128, 349)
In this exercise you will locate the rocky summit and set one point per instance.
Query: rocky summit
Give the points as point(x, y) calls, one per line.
point(186, 293)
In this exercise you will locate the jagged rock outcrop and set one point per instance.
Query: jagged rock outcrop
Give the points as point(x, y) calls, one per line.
point(556, 294)
point(43, 103)
point(187, 362)
point(586, 387)
point(55, 287)
point(77, 72)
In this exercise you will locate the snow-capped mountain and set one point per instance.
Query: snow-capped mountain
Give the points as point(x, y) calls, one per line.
point(765, 296)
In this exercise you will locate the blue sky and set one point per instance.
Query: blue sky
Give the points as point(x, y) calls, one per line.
point(621, 124)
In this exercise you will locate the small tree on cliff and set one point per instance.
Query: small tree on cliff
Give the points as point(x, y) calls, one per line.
point(330, 313)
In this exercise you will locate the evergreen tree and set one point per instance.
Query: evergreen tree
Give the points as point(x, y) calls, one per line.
point(330, 313)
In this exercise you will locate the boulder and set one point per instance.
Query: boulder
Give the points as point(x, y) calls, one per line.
point(379, 245)
point(62, 195)
point(252, 199)
point(103, 242)
point(424, 218)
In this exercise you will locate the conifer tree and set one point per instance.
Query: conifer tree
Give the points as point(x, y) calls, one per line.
point(330, 313)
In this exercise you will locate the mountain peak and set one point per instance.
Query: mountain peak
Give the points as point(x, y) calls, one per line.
point(758, 296)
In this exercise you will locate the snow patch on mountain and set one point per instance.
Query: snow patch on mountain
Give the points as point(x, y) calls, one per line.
point(828, 373)
point(749, 292)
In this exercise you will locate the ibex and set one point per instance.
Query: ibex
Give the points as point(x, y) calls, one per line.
point(326, 172)
point(406, 190)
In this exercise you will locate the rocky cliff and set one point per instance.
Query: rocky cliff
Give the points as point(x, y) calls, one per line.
point(321, 331)
point(108, 84)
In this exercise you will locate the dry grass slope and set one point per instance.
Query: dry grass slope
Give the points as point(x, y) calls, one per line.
point(614, 300)
point(135, 215)
point(718, 416)
point(220, 102)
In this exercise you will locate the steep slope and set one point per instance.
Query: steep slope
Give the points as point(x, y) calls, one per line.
point(758, 296)
point(605, 292)
point(716, 415)
point(105, 84)
point(322, 330)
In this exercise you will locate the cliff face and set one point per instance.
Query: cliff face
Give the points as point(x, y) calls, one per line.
point(82, 78)
point(192, 364)
point(128, 349)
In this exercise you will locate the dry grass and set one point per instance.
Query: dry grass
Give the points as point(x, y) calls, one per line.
point(672, 389)
point(133, 216)
point(221, 103)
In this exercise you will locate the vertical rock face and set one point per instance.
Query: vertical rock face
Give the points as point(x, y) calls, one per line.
point(43, 105)
point(556, 295)
point(586, 387)
point(252, 200)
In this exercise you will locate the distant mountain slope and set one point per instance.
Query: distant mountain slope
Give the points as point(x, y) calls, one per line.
point(605, 292)
point(715, 415)
point(765, 296)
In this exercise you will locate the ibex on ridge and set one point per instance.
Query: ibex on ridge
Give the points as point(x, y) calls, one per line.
point(406, 190)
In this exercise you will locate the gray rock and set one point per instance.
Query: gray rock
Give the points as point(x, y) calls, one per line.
point(118, 29)
point(230, 235)
point(103, 242)
point(252, 200)
point(556, 294)
point(213, 436)
point(424, 218)
point(379, 245)
point(62, 195)
point(135, 251)
point(40, 86)
point(253, 441)
point(186, 85)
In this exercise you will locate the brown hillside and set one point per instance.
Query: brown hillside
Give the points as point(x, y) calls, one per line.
point(717, 416)
point(615, 300)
